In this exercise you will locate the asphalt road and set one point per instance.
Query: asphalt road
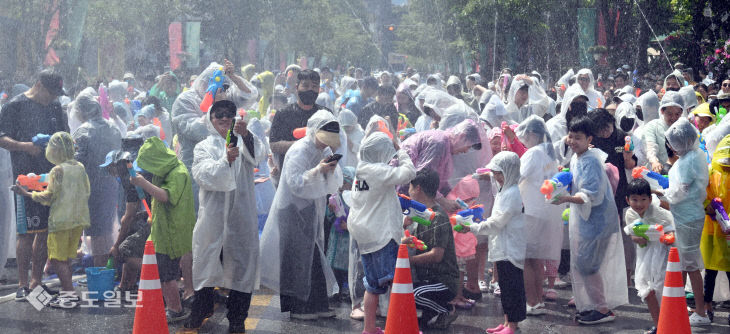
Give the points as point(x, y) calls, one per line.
point(265, 317)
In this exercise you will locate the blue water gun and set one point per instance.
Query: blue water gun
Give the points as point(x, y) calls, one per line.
point(140, 192)
point(214, 83)
point(417, 211)
point(466, 217)
point(41, 139)
point(558, 185)
point(703, 147)
point(655, 179)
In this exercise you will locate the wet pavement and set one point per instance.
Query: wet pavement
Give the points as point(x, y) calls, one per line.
point(265, 317)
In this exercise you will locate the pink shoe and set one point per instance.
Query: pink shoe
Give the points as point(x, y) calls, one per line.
point(377, 331)
point(506, 330)
point(551, 295)
point(495, 329)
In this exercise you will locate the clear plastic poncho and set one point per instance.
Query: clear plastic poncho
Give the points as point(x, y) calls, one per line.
point(596, 245)
point(537, 102)
point(595, 99)
point(626, 113)
point(94, 139)
point(265, 190)
point(689, 97)
point(354, 133)
point(438, 101)
point(227, 222)
point(688, 179)
point(649, 103)
point(295, 223)
point(544, 226)
point(505, 225)
point(495, 113)
point(465, 164)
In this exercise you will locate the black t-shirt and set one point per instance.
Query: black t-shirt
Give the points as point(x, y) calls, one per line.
point(439, 234)
point(375, 108)
point(286, 121)
point(614, 147)
point(23, 118)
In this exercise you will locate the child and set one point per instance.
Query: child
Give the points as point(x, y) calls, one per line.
point(67, 195)
point(173, 216)
point(599, 280)
point(507, 241)
point(375, 216)
point(544, 229)
point(651, 257)
point(338, 241)
point(435, 269)
point(465, 245)
point(714, 242)
point(687, 190)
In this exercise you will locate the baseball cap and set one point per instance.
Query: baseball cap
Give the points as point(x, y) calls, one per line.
point(109, 158)
point(128, 75)
point(52, 81)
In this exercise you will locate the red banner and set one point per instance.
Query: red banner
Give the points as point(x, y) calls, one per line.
point(175, 38)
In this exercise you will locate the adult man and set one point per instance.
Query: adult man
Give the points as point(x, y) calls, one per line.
point(36, 111)
point(368, 89)
point(453, 87)
point(382, 106)
point(295, 115)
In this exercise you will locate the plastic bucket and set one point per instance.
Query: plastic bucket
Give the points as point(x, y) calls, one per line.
point(100, 280)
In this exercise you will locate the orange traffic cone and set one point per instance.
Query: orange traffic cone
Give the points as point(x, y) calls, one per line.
point(402, 317)
point(149, 318)
point(673, 316)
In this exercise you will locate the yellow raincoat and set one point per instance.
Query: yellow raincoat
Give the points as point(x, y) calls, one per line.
point(714, 246)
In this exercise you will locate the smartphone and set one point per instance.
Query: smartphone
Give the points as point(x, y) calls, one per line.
point(334, 157)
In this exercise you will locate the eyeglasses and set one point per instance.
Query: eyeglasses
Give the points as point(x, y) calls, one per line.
point(726, 84)
point(583, 79)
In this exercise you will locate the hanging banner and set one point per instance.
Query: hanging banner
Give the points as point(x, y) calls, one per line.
point(586, 35)
point(174, 32)
point(192, 44)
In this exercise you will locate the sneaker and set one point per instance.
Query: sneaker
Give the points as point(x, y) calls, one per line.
point(304, 316)
point(493, 285)
point(50, 291)
point(326, 314)
point(444, 320)
point(357, 314)
point(173, 316)
point(497, 292)
point(495, 329)
point(698, 320)
point(483, 286)
point(560, 283)
point(571, 302)
point(477, 296)
point(551, 295)
point(64, 302)
point(651, 330)
point(240, 328)
point(21, 294)
point(595, 317)
point(711, 315)
point(536, 310)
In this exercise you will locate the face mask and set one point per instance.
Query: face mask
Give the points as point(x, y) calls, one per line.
point(307, 97)
point(627, 124)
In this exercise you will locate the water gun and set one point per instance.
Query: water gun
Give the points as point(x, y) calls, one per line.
point(383, 127)
point(417, 244)
point(231, 137)
point(248, 115)
point(406, 132)
point(418, 212)
point(340, 214)
point(140, 192)
point(466, 217)
point(720, 215)
point(33, 182)
point(214, 83)
point(655, 179)
point(41, 139)
point(628, 144)
point(703, 147)
point(651, 233)
point(479, 172)
point(299, 133)
point(558, 185)
point(566, 216)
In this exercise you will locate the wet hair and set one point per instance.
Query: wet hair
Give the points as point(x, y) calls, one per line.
point(621, 75)
point(153, 100)
point(308, 75)
point(428, 180)
point(583, 125)
point(386, 90)
point(601, 118)
point(370, 82)
point(638, 187)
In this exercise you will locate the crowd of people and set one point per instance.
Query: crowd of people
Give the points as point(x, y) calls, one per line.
point(291, 181)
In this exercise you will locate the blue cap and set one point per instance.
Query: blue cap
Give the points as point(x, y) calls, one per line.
point(109, 158)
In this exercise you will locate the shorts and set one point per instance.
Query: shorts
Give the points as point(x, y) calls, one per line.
point(133, 245)
point(379, 268)
point(34, 219)
point(169, 268)
point(691, 261)
point(590, 255)
point(62, 245)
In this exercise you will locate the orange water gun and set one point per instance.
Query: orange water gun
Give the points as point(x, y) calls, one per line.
point(34, 182)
